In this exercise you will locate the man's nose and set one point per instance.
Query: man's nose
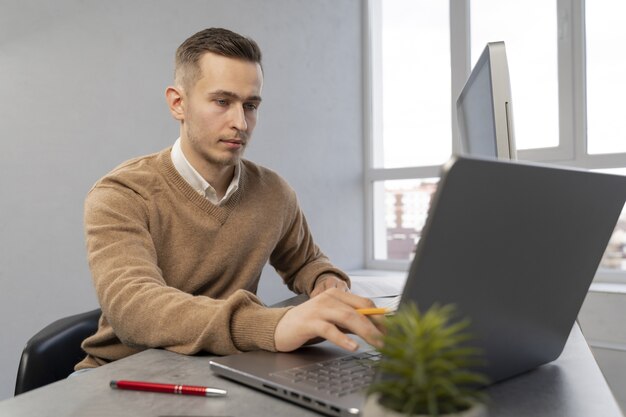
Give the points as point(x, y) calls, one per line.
point(239, 121)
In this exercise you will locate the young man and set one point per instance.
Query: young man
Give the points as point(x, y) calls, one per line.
point(177, 240)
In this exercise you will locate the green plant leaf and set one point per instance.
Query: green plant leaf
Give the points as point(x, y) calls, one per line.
point(427, 365)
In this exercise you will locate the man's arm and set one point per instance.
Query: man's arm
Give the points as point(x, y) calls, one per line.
point(300, 262)
point(330, 312)
point(141, 308)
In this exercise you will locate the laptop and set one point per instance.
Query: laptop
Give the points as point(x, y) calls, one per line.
point(513, 245)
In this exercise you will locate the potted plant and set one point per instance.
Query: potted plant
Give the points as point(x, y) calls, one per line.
point(426, 367)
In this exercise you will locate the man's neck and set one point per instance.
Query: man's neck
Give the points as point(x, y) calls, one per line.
point(219, 178)
point(217, 175)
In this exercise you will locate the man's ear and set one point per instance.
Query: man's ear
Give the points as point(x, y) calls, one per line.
point(175, 101)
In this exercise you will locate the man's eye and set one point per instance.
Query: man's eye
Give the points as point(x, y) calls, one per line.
point(250, 106)
point(221, 102)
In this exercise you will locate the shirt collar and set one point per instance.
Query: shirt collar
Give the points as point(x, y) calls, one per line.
point(198, 183)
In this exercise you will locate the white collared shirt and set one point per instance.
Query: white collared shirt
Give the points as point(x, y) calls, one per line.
point(198, 183)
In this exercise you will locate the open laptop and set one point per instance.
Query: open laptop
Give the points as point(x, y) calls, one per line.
point(514, 246)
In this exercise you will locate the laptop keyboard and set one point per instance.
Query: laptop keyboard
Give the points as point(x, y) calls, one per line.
point(337, 377)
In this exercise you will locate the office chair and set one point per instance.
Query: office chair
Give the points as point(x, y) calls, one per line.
point(50, 355)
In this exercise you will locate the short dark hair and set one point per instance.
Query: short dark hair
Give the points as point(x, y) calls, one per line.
point(216, 40)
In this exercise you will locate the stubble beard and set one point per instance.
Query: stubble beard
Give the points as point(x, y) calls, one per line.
point(229, 158)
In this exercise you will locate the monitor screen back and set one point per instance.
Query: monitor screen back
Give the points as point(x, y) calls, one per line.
point(484, 108)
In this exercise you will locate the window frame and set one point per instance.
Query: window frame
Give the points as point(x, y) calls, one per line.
point(571, 150)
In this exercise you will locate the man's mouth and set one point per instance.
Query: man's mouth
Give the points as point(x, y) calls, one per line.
point(234, 143)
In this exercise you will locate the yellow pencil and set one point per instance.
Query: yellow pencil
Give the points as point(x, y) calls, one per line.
point(372, 311)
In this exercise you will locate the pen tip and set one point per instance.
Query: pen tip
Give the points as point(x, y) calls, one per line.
point(113, 384)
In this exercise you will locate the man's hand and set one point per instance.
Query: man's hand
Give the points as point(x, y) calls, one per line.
point(328, 316)
point(327, 281)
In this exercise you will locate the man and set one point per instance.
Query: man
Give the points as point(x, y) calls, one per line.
point(177, 240)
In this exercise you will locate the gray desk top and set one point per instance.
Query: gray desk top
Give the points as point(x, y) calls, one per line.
point(568, 387)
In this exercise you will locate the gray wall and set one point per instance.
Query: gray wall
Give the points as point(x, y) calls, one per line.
point(82, 86)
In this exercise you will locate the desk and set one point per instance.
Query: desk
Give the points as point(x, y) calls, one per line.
point(571, 386)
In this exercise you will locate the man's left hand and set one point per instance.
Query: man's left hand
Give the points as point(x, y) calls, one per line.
point(327, 281)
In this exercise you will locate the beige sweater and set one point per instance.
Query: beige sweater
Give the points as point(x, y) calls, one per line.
point(171, 270)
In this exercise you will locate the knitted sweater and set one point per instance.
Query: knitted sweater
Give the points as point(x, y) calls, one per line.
point(171, 270)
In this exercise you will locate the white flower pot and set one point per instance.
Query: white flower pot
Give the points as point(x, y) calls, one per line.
point(374, 409)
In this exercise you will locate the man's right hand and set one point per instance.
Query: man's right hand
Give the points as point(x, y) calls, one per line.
point(328, 315)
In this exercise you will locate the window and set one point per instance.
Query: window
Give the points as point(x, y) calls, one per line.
point(613, 263)
point(410, 104)
point(416, 79)
point(532, 57)
point(405, 208)
point(606, 69)
point(606, 89)
point(420, 55)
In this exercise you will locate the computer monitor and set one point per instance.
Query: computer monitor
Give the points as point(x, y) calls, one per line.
point(484, 109)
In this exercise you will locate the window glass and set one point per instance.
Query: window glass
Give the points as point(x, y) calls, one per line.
point(532, 58)
point(615, 255)
point(416, 104)
point(406, 204)
point(606, 75)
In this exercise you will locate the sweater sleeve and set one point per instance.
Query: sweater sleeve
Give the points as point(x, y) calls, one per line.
point(141, 309)
point(297, 258)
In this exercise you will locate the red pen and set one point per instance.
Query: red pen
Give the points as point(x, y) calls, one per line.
point(169, 388)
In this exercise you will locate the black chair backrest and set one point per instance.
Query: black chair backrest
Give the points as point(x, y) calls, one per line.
point(51, 354)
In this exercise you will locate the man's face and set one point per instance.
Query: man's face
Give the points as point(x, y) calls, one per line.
point(220, 111)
